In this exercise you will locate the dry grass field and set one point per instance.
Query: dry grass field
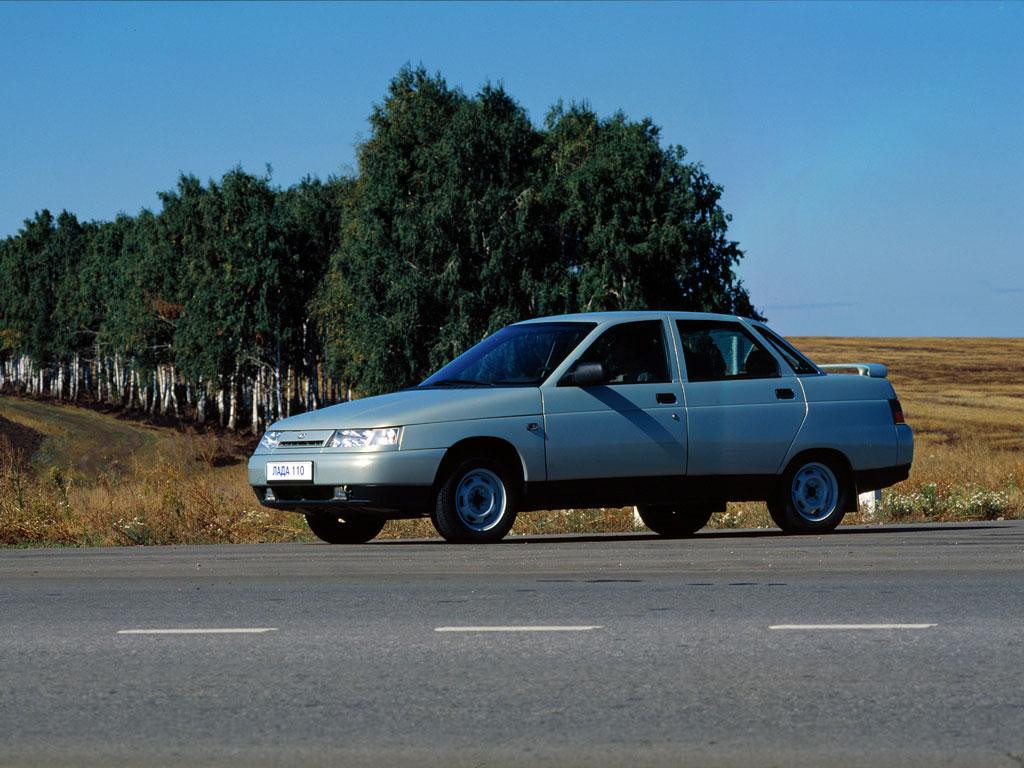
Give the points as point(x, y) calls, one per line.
point(73, 476)
point(965, 400)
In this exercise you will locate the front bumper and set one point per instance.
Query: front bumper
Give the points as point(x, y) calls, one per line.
point(397, 483)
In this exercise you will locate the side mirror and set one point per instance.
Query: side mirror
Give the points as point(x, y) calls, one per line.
point(585, 374)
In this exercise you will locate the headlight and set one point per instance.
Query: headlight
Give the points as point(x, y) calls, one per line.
point(364, 438)
point(271, 440)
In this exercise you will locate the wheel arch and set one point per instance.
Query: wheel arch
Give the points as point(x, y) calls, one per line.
point(496, 447)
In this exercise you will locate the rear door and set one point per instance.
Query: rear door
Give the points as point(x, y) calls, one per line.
point(744, 407)
point(632, 424)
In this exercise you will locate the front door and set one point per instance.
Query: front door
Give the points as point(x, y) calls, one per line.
point(630, 424)
point(743, 409)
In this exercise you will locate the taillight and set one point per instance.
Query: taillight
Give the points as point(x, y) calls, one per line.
point(897, 411)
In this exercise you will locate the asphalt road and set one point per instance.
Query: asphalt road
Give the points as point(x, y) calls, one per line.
point(665, 652)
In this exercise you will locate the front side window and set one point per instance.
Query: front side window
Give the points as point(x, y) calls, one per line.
point(631, 353)
point(719, 351)
point(518, 355)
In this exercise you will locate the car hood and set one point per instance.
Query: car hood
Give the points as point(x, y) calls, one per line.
point(419, 406)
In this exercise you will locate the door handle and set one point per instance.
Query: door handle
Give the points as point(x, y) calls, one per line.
point(785, 393)
point(666, 397)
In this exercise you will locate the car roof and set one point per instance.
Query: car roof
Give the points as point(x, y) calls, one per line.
point(654, 314)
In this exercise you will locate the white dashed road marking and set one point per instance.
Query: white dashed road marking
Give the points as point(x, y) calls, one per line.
point(586, 628)
point(185, 631)
point(852, 626)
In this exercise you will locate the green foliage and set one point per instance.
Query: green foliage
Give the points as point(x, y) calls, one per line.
point(464, 216)
point(432, 256)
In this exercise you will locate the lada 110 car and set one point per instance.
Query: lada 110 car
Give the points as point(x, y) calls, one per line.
point(675, 413)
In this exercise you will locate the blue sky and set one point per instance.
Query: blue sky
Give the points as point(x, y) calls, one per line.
point(872, 155)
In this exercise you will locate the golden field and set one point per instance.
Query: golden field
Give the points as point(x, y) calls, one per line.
point(965, 400)
point(72, 476)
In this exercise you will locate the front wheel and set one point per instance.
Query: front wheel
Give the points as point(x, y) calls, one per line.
point(812, 497)
point(334, 529)
point(675, 521)
point(476, 503)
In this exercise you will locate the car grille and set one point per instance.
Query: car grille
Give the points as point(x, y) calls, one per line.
point(301, 443)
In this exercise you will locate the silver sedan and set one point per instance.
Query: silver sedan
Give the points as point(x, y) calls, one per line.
point(675, 413)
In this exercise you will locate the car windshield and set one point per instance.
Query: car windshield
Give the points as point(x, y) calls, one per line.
point(519, 355)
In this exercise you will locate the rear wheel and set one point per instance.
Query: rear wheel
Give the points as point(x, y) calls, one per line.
point(676, 521)
point(812, 496)
point(335, 529)
point(476, 503)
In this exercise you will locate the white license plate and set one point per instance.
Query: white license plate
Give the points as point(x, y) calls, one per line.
point(289, 471)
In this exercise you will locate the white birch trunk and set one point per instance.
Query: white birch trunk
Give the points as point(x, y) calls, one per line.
point(150, 402)
point(133, 387)
point(277, 389)
point(158, 389)
point(118, 381)
point(101, 375)
point(200, 401)
point(165, 395)
point(268, 403)
point(233, 407)
point(172, 394)
point(288, 394)
point(256, 400)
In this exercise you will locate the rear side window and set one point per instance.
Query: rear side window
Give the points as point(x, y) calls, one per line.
point(631, 353)
point(798, 361)
point(719, 351)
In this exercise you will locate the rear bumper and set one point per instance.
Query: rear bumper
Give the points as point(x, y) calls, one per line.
point(873, 479)
point(904, 444)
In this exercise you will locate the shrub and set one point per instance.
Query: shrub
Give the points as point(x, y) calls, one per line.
point(932, 503)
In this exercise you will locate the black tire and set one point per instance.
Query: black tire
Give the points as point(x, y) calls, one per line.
point(677, 520)
point(476, 502)
point(812, 496)
point(335, 529)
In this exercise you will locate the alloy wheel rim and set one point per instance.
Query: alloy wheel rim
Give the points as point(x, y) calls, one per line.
point(815, 492)
point(480, 499)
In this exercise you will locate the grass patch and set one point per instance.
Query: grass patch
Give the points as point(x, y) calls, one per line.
point(97, 480)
